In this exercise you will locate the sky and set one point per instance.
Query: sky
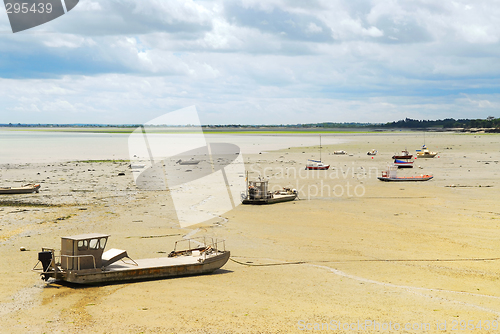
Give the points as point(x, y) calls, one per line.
point(254, 62)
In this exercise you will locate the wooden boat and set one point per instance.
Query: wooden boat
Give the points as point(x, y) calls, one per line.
point(403, 163)
point(390, 175)
point(372, 152)
point(82, 260)
point(403, 155)
point(425, 153)
point(258, 193)
point(26, 189)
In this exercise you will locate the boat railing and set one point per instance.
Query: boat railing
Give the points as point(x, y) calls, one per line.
point(201, 244)
point(78, 257)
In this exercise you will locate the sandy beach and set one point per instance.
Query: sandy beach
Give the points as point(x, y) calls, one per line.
point(352, 254)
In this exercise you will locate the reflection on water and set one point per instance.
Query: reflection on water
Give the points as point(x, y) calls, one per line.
point(46, 146)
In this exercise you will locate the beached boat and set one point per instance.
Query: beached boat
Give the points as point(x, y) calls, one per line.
point(188, 162)
point(26, 189)
point(258, 193)
point(340, 152)
point(403, 163)
point(316, 165)
point(372, 152)
point(391, 175)
point(425, 153)
point(82, 260)
point(403, 155)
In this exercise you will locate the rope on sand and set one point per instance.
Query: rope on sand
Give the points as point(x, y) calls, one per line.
point(370, 260)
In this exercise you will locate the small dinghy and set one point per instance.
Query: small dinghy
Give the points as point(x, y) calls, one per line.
point(26, 189)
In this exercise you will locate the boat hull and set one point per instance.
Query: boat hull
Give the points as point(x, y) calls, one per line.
point(403, 164)
point(402, 156)
point(261, 201)
point(317, 168)
point(148, 271)
point(405, 179)
point(20, 190)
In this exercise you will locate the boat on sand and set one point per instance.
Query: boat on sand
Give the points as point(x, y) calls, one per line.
point(372, 152)
point(391, 175)
point(258, 193)
point(403, 163)
point(316, 165)
point(425, 153)
point(82, 260)
point(403, 155)
point(26, 189)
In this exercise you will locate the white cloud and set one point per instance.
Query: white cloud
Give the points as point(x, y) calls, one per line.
point(253, 61)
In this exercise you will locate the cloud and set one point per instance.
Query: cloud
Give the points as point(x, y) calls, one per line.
point(252, 61)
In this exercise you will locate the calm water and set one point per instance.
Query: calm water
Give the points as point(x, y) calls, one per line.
point(46, 146)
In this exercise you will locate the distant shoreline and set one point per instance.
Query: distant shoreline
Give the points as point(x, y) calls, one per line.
point(239, 130)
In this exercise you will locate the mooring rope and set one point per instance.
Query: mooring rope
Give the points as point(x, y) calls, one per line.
point(368, 260)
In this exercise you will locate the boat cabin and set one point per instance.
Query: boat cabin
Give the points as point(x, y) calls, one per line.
point(391, 172)
point(258, 190)
point(83, 251)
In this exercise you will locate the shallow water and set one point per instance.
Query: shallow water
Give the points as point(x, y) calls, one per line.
point(46, 146)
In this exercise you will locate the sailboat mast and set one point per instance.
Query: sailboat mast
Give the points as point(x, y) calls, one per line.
point(320, 148)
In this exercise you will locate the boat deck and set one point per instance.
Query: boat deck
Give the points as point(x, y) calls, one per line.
point(406, 178)
point(154, 262)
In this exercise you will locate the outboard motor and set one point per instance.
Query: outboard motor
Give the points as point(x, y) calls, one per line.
point(46, 258)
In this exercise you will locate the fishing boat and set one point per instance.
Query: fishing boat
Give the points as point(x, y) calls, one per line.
point(258, 193)
point(26, 189)
point(425, 153)
point(340, 152)
point(317, 164)
point(403, 155)
point(403, 163)
point(372, 152)
point(391, 175)
point(82, 260)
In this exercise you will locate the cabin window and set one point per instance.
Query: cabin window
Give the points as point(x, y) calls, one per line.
point(102, 243)
point(94, 243)
point(83, 244)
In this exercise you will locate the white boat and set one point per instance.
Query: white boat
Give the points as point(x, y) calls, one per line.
point(372, 152)
point(340, 152)
point(317, 164)
point(82, 260)
point(425, 153)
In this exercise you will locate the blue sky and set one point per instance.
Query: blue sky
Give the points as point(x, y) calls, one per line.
point(254, 62)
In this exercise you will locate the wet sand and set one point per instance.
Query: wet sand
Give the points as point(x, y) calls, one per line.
point(351, 249)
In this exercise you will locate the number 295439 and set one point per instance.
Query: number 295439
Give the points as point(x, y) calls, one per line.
point(26, 8)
